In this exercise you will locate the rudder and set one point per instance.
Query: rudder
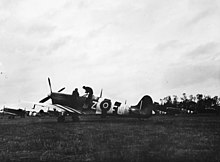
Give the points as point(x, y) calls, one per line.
point(145, 106)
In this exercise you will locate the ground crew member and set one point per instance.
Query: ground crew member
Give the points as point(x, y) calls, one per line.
point(89, 91)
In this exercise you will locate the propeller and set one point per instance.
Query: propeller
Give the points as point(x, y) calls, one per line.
point(45, 99)
point(61, 89)
point(50, 85)
point(49, 96)
point(101, 93)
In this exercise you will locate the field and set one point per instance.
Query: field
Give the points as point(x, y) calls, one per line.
point(159, 138)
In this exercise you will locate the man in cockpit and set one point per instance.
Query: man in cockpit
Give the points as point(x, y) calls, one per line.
point(75, 93)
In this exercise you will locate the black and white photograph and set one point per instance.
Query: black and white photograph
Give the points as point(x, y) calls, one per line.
point(109, 80)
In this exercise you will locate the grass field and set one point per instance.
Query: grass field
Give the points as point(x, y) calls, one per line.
point(159, 138)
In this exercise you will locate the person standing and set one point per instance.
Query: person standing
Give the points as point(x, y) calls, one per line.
point(75, 96)
point(88, 90)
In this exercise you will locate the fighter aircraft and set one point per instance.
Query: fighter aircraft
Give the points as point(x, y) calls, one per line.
point(11, 112)
point(83, 105)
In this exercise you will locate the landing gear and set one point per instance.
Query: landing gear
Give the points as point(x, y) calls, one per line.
point(11, 117)
point(75, 118)
point(104, 114)
point(61, 119)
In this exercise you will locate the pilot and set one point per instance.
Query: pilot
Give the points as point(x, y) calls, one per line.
point(75, 93)
point(89, 91)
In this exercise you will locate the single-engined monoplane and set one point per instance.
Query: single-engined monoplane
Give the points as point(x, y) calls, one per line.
point(11, 112)
point(96, 105)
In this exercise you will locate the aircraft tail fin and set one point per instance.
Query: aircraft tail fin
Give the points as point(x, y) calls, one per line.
point(144, 106)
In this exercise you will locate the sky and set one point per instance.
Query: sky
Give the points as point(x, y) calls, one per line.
point(128, 48)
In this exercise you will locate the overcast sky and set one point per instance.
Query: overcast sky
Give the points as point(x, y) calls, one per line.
point(127, 47)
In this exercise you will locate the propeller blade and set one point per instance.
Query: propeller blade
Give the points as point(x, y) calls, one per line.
point(44, 99)
point(100, 94)
point(50, 85)
point(61, 89)
point(49, 97)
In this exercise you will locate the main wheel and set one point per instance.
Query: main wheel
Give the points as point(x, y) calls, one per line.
point(61, 119)
point(75, 118)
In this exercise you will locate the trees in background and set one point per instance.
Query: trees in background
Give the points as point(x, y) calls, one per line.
point(199, 103)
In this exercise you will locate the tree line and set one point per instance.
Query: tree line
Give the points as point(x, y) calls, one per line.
point(198, 104)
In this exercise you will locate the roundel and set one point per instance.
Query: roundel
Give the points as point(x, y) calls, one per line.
point(105, 105)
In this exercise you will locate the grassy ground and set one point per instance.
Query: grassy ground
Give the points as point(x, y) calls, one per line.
point(159, 138)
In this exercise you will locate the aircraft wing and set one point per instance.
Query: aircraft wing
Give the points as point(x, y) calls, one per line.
point(65, 108)
point(69, 109)
point(46, 105)
point(8, 113)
